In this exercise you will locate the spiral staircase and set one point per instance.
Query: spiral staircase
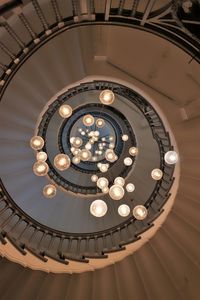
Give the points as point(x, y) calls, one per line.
point(60, 47)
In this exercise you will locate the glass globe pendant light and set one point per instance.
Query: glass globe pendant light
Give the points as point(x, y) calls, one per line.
point(76, 160)
point(125, 137)
point(40, 168)
point(100, 123)
point(130, 187)
point(140, 212)
point(102, 182)
point(171, 157)
point(85, 155)
point(119, 181)
point(37, 142)
point(98, 208)
point(65, 111)
point(49, 191)
point(94, 178)
point(88, 120)
point(77, 142)
point(156, 174)
point(124, 210)
point(107, 97)
point(128, 161)
point(110, 155)
point(62, 162)
point(133, 151)
point(116, 192)
point(41, 156)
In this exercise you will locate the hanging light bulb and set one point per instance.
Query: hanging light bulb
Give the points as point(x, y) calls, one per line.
point(116, 192)
point(49, 191)
point(65, 111)
point(94, 178)
point(37, 142)
point(62, 162)
point(88, 120)
point(119, 181)
point(100, 123)
point(130, 187)
point(107, 97)
point(156, 174)
point(85, 155)
point(102, 182)
point(76, 160)
point(171, 157)
point(41, 156)
point(98, 208)
point(128, 161)
point(133, 151)
point(124, 137)
point(140, 212)
point(40, 168)
point(124, 210)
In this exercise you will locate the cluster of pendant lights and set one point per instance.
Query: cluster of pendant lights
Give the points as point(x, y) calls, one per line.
point(117, 190)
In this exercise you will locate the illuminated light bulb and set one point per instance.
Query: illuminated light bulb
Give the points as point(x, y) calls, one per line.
point(124, 210)
point(65, 111)
point(104, 168)
point(105, 190)
point(76, 152)
point(133, 151)
point(103, 139)
point(77, 142)
point(157, 174)
point(72, 139)
point(76, 160)
point(119, 181)
point(88, 120)
point(83, 133)
point(85, 154)
point(116, 192)
point(102, 182)
point(98, 208)
point(49, 191)
point(111, 138)
point(80, 130)
point(111, 146)
point(124, 137)
point(107, 97)
point(94, 158)
point(72, 149)
point(110, 155)
point(94, 178)
point(62, 162)
point(171, 157)
point(128, 161)
point(37, 142)
point(40, 168)
point(41, 156)
point(130, 187)
point(100, 123)
point(96, 133)
point(140, 212)
point(88, 146)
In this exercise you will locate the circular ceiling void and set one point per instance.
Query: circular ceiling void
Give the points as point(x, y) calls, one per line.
point(67, 216)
